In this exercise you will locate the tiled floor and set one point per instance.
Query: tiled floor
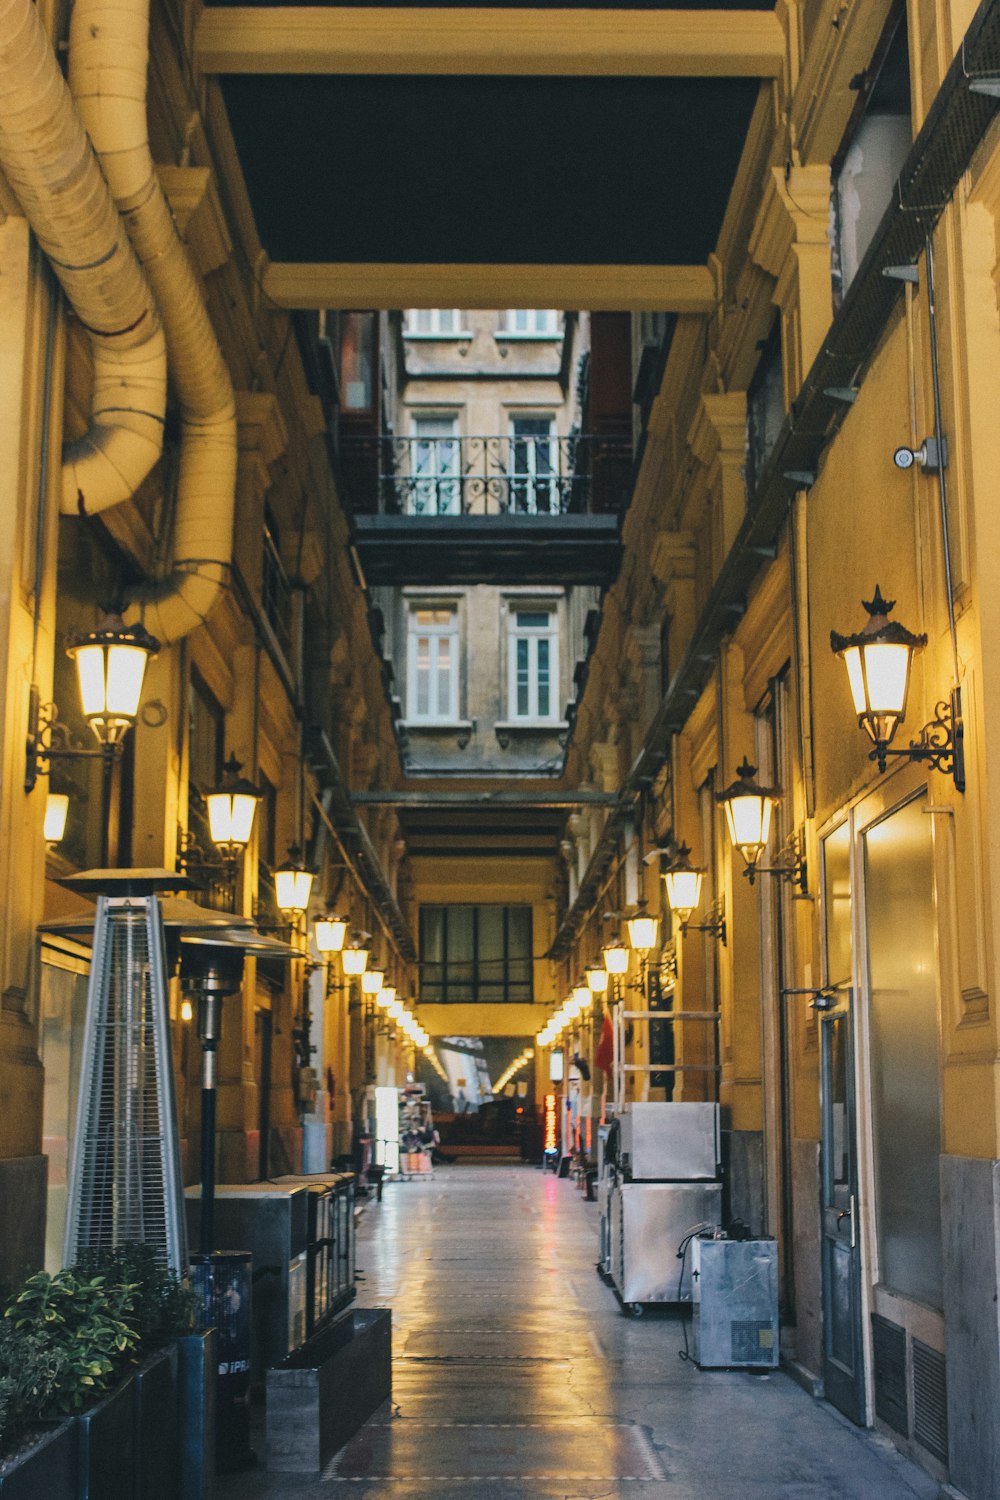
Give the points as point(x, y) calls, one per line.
point(516, 1376)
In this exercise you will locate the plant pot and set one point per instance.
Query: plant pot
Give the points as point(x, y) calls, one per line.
point(45, 1469)
point(196, 1361)
point(319, 1396)
point(107, 1446)
point(157, 1470)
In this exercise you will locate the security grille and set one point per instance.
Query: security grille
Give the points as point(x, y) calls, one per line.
point(889, 1348)
point(930, 1400)
point(124, 1181)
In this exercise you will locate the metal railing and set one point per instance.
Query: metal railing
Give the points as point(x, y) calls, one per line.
point(533, 475)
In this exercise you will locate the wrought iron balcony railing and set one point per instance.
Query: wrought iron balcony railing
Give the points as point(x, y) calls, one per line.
point(514, 475)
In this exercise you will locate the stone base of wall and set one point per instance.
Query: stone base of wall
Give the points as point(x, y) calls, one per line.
point(23, 1183)
point(970, 1213)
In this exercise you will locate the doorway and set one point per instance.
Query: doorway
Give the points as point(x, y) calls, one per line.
point(840, 1239)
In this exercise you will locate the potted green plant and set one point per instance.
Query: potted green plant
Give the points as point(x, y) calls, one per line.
point(64, 1340)
point(161, 1313)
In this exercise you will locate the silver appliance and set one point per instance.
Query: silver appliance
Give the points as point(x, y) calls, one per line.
point(668, 1142)
point(735, 1303)
point(648, 1222)
point(271, 1220)
point(659, 1184)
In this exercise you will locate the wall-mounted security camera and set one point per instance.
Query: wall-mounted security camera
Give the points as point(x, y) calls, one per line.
point(929, 456)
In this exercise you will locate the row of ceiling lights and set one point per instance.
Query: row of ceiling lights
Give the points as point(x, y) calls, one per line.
point(519, 1062)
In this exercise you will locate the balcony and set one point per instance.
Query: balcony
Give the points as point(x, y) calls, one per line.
point(464, 510)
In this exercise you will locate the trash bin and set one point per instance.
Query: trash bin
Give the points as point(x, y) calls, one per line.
point(222, 1285)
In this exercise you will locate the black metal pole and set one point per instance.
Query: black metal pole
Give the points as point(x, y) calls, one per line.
point(209, 1022)
point(108, 758)
point(207, 1235)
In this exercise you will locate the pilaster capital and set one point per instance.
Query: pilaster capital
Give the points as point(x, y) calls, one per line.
point(197, 210)
point(719, 427)
point(793, 211)
point(674, 555)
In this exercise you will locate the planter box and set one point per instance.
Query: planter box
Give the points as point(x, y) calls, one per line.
point(319, 1396)
point(157, 1473)
point(196, 1362)
point(46, 1470)
point(107, 1446)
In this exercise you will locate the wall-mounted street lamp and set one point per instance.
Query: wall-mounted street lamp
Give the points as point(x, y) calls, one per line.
point(615, 956)
point(354, 958)
point(330, 933)
point(372, 981)
point(293, 883)
point(598, 977)
point(878, 661)
point(232, 807)
point(749, 808)
point(110, 666)
point(56, 813)
point(683, 882)
point(643, 931)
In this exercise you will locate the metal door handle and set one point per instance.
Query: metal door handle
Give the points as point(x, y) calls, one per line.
point(848, 1213)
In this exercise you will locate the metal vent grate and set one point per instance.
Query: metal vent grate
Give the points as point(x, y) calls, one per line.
point(752, 1341)
point(124, 1176)
point(889, 1346)
point(930, 1400)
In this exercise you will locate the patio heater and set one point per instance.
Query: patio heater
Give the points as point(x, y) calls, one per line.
point(124, 1174)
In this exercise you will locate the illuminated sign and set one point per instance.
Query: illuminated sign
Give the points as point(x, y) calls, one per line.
point(550, 1123)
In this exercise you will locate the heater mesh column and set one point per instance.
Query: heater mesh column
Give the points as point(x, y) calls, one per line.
point(124, 1181)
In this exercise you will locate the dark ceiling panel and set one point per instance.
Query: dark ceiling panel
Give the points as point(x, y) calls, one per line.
point(574, 171)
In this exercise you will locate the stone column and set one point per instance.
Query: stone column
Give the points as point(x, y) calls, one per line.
point(29, 503)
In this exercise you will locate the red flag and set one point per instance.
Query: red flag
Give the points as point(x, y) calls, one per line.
point(605, 1055)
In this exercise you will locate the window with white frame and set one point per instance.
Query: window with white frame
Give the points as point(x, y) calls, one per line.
point(432, 664)
point(533, 671)
point(435, 463)
point(532, 322)
point(434, 322)
point(534, 487)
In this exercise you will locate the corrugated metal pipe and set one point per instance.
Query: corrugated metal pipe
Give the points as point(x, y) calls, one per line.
point(52, 170)
point(108, 68)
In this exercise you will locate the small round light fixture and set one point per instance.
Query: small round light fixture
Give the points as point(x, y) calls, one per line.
point(293, 883)
point(878, 661)
point(749, 807)
point(232, 806)
point(110, 666)
point(597, 979)
point(683, 884)
point(330, 933)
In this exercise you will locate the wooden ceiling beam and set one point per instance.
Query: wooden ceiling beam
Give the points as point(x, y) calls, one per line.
point(482, 40)
point(676, 289)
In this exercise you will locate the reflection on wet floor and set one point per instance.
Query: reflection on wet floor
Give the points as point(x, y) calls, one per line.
point(516, 1376)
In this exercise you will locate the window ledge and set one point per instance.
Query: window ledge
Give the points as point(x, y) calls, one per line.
point(535, 338)
point(530, 726)
point(444, 338)
point(443, 726)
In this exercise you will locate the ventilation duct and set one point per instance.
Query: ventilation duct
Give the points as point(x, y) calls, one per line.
point(52, 170)
point(108, 68)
